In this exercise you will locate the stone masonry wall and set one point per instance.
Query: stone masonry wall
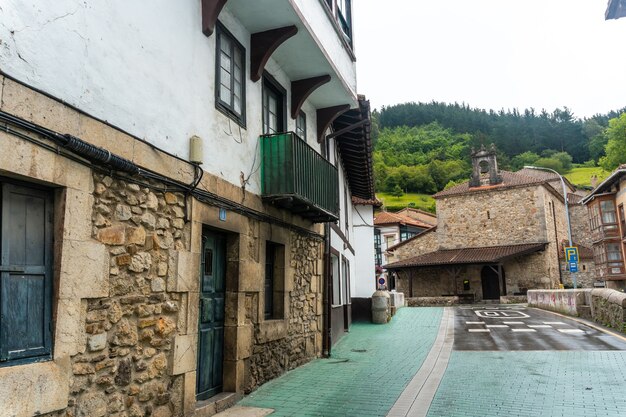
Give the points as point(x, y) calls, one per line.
point(278, 349)
point(424, 243)
point(505, 217)
point(124, 369)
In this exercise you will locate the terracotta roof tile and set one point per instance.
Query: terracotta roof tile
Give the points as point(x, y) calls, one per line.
point(386, 217)
point(467, 256)
point(371, 202)
point(509, 179)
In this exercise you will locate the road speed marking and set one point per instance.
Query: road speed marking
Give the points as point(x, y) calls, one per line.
point(572, 331)
point(554, 322)
point(497, 325)
point(523, 330)
point(540, 326)
point(496, 314)
point(474, 322)
point(513, 322)
point(479, 330)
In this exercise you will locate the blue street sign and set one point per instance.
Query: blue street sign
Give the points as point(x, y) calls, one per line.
point(573, 267)
point(571, 254)
point(381, 281)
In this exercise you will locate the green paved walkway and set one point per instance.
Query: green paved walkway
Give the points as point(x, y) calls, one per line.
point(353, 383)
point(533, 384)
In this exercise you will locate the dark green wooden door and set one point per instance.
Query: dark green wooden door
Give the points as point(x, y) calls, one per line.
point(211, 317)
point(25, 273)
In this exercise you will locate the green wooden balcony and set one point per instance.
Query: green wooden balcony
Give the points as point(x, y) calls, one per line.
point(295, 177)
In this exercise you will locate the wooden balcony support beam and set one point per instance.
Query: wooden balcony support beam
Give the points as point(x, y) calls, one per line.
point(210, 11)
point(262, 46)
point(302, 89)
point(326, 116)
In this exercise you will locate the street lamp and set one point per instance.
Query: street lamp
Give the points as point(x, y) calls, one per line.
point(569, 225)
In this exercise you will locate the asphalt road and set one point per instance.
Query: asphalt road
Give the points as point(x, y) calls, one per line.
point(517, 328)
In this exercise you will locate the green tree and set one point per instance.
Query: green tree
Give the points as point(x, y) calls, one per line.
point(616, 146)
point(523, 159)
point(552, 163)
point(397, 191)
point(565, 158)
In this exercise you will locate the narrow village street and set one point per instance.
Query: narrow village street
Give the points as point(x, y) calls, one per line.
point(504, 361)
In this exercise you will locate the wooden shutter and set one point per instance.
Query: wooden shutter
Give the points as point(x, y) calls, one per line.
point(25, 273)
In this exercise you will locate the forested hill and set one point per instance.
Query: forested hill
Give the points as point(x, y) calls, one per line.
point(422, 147)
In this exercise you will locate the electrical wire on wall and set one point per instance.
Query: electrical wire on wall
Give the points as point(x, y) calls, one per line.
point(103, 161)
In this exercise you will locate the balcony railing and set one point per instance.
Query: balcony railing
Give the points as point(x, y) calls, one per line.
point(294, 176)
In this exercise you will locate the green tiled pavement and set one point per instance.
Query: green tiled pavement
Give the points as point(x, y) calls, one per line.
point(533, 384)
point(352, 383)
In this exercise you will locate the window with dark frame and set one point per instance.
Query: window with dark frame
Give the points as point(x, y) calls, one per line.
point(301, 125)
point(274, 109)
point(274, 281)
point(25, 274)
point(230, 90)
point(342, 12)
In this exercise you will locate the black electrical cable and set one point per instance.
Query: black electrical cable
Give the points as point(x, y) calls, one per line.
point(95, 157)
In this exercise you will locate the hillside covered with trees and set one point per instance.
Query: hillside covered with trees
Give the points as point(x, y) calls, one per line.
point(424, 147)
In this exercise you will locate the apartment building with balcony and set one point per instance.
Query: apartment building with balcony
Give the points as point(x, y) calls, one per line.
point(177, 183)
point(605, 206)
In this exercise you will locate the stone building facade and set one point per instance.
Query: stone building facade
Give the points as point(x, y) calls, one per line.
point(500, 233)
point(167, 285)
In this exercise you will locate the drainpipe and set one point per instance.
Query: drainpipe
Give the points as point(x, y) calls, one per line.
point(327, 285)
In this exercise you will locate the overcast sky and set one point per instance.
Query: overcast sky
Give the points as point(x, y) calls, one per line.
point(491, 54)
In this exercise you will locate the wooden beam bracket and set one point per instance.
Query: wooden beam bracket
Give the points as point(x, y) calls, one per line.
point(302, 89)
point(263, 45)
point(210, 11)
point(326, 116)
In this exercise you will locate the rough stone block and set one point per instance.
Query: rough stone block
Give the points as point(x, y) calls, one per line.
point(69, 335)
point(84, 270)
point(24, 102)
point(72, 175)
point(34, 162)
point(234, 373)
point(99, 134)
point(114, 235)
point(77, 221)
point(235, 314)
point(34, 389)
point(193, 311)
point(183, 271)
point(272, 330)
point(189, 393)
point(237, 342)
point(184, 354)
point(251, 276)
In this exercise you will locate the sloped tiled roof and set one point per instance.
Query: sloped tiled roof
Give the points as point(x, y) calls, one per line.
point(466, 256)
point(386, 217)
point(367, 202)
point(509, 180)
point(410, 210)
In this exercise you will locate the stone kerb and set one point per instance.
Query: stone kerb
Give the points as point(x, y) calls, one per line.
point(562, 301)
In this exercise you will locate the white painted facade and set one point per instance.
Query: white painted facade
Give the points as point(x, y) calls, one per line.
point(149, 69)
point(364, 281)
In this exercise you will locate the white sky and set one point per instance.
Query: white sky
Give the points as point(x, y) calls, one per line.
point(491, 54)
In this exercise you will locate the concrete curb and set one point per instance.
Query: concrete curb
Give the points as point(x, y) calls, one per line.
point(416, 398)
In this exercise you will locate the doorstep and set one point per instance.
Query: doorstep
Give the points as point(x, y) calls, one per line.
point(216, 404)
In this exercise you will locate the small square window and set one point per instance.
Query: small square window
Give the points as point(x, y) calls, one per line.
point(230, 68)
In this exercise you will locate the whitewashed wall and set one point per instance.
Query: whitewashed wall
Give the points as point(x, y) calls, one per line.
point(148, 69)
point(364, 281)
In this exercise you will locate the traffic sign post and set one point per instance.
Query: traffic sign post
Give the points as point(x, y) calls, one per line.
point(571, 257)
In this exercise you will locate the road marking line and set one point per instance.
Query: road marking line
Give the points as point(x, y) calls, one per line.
point(571, 331)
point(554, 322)
point(479, 330)
point(586, 323)
point(523, 330)
point(474, 322)
point(497, 325)
point(513, 322)
point(540, 326)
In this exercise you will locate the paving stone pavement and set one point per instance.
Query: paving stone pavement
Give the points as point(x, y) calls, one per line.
point(355, 383)
point(533, 384)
